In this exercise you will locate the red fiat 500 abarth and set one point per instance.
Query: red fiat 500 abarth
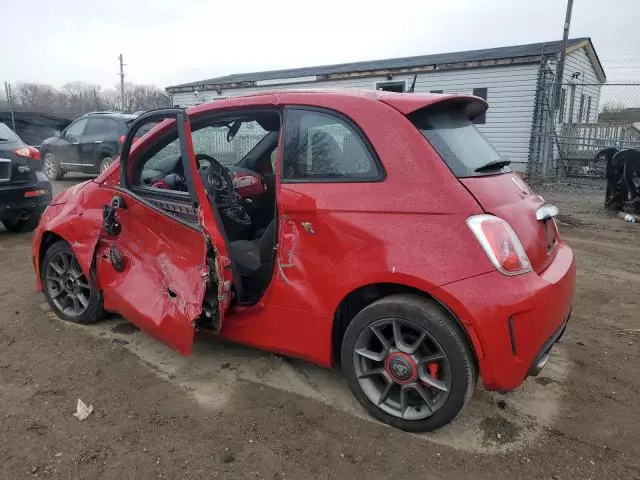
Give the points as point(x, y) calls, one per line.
point(376, 232)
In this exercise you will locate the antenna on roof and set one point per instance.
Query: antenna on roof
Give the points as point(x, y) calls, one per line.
point(413, 85)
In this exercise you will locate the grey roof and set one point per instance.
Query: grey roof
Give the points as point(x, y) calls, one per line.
point(532, 49)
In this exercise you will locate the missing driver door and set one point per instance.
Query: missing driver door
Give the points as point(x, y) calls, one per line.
point(157, 258)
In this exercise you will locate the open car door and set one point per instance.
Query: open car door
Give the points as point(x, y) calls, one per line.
point(161, 261)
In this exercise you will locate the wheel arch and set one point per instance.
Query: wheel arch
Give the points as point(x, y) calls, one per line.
point(106, 152)
point(361, 297)
point(48, 239)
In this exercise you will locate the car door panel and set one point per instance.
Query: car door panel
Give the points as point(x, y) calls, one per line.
point(152, 266)
point(90, 143)
point(68, 149)
point(160, 283)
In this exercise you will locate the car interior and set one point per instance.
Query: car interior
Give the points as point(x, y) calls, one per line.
point(235, 157)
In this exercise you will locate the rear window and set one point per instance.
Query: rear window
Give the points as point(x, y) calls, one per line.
point(458, 141)
point(6, 134)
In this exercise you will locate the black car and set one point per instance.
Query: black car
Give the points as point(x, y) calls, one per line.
point(88, 145)
point(24, 190)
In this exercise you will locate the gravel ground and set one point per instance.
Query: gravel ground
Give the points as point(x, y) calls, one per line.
point(232, 412)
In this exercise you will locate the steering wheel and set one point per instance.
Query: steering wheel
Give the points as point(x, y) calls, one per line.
point(216, 180)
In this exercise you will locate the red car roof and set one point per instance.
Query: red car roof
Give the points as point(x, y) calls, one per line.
point(405, 103)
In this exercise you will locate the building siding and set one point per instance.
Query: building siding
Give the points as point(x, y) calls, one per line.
point(510, 93)
point(586, 84)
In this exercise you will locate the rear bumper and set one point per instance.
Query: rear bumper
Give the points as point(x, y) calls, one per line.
point(32, 198)
point(513, 322)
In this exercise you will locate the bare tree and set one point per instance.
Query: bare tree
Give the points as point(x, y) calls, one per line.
point(144, 97)
point(77, 98)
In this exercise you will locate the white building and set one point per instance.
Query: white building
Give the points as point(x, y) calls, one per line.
point(508, 77)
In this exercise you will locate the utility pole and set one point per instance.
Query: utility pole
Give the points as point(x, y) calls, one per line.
point(121, 82)
point(563, 52)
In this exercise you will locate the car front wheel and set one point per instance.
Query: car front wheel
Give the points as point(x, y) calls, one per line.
point(66, 288)
point(51, 168)
point(408, 363)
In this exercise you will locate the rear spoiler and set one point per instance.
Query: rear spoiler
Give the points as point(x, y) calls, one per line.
point(471, 106)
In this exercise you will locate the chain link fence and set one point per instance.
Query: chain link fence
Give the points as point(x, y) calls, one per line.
point(587, 118)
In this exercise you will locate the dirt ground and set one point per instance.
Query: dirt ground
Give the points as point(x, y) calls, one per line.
point(232, 412)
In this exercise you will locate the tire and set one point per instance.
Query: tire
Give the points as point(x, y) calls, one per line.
point(104, 164)
point(441, 333)
point(51, 168)
point(21, 226)
point(93, 311)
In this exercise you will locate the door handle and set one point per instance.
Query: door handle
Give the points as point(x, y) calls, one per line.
point(97, 141)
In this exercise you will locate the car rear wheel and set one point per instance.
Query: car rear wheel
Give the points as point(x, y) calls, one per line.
point(66, 287)
point(19, 226)
point(408, 363)
point(104, 164)
point(51, 168)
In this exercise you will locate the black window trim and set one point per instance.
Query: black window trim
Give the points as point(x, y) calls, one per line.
point(179, 115)
point(382, 173)
point(146, 195)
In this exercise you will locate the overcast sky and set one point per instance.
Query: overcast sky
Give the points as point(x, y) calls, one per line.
point(166, 42)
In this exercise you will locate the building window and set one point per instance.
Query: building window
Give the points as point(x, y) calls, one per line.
point(323, 147)
point(562, 105)
point(581, 109)
point(482, 93)
point(587, 117)
point(398, 87)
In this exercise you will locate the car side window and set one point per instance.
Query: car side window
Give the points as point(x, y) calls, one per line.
point(113, 128)
point(156, 165)
point(75, 129)
point(96, 127)
point(324, 147)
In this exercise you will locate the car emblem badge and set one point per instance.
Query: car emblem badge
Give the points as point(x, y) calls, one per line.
point(400, 368)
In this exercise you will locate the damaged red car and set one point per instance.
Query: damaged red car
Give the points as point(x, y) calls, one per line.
point(374, 232)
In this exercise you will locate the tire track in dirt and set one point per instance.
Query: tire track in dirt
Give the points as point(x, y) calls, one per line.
point(491, 423)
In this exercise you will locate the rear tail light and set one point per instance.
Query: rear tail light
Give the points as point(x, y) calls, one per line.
point(500, 243)
point(122, 138)
point(28, 152)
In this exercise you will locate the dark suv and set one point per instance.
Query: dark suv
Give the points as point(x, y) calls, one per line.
point(87, 145)
point(24, 191)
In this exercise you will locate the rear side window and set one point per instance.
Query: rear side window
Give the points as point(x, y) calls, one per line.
point(323, 147)
point(96, 127)
point(6, 134)
point(113, 128)
point(457, 140)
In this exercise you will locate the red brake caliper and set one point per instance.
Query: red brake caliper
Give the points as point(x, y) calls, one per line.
point(433, 369)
